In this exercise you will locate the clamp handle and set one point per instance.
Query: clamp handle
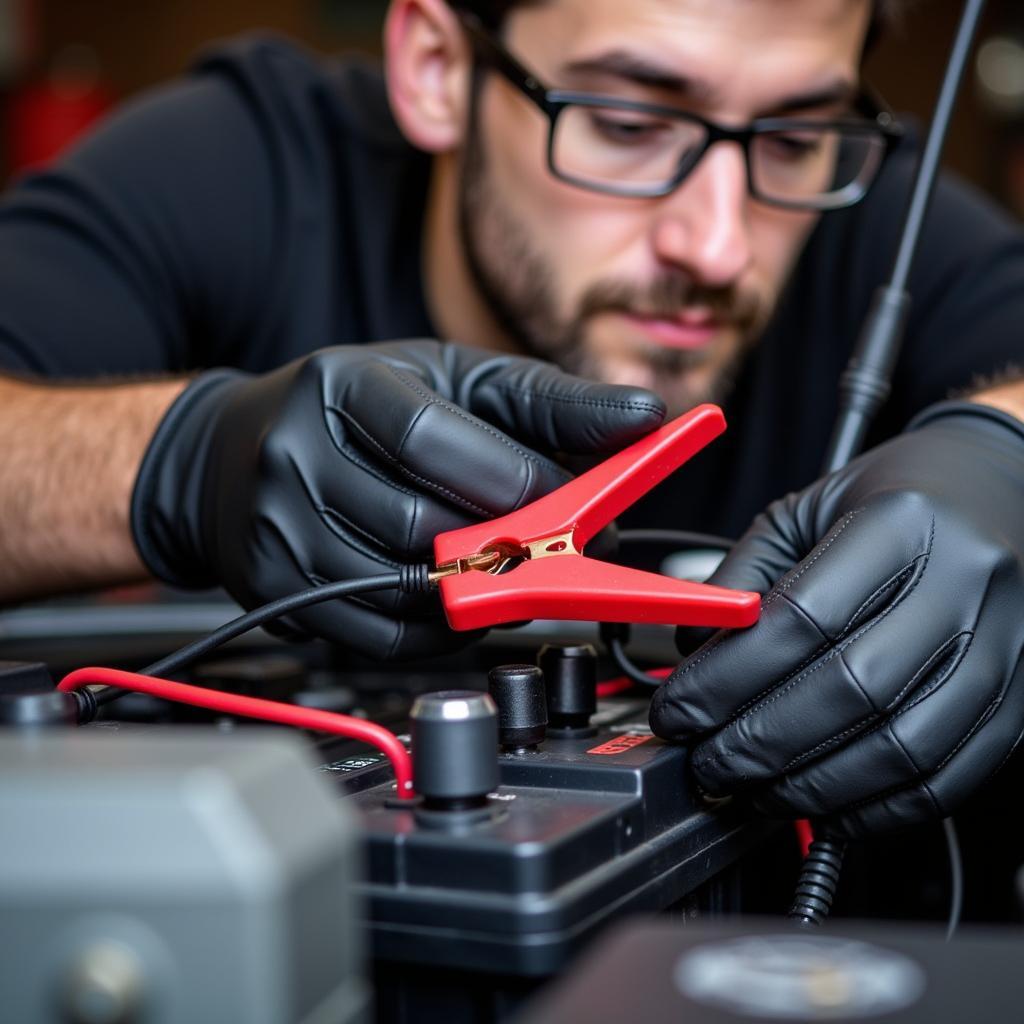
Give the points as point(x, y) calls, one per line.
point(585, 589)
point(585, 505)
point(568, 585)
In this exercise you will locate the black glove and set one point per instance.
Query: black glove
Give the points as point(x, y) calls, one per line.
point(347, 462)
point(883, 682)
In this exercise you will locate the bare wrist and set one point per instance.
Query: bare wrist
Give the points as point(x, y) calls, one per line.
point(1008, 397)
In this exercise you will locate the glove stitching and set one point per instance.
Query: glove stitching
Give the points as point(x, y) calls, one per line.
point(597, 403)
point(356, 459)
point(783, 687)
point(327, 516)
point(662, 696)
point(919, 784)
point(787, 684)
point(839, 737)
point(842, 644)
point(936, 683)
point(925, 555)
point(433, 399)
point(990, 710)
point(831, 742)
point(340, 526)
point(408, 432)
point(776, 592)
point(787, 581)
point(712, 645)
point(842, 647)
point(748, 706)
point(892, 581)
point(924, 778)
point(430, 485)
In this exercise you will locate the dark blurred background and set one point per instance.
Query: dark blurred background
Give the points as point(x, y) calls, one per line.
point(62, 62)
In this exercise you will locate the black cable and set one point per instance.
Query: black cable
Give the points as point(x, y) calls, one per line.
point(956, 877)
point(818, 881)
point(865, 383)
point(615, 635)
point(684, 538)
point(410, 579)
point(627, 666)
point(928, 168)
point(819, 878)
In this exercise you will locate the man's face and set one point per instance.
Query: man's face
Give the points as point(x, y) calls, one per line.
point(668, 292)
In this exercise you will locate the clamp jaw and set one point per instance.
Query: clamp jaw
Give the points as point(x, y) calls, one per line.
point(530, 563)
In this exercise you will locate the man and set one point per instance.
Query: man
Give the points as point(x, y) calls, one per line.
point(659, 195)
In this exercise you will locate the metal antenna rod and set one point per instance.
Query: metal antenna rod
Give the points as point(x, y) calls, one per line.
point(865, 382)
point(864, 386)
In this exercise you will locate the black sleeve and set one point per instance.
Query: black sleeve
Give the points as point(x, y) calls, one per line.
point(144, 249)
point(967, 317)
point(966, 284)
point(966, 320)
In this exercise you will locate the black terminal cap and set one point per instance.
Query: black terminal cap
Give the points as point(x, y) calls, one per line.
point(17, 677)
point(454, 748)
point(27, 710)
point(28, 698)
point(518, 690)
point(570, 678)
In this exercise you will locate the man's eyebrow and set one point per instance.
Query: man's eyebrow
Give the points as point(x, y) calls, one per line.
point(840, 92)
point(640, 70)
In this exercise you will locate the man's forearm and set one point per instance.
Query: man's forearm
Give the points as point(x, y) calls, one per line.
point(1009, 397)
point(68, 461)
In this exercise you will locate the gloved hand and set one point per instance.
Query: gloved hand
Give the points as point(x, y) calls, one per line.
point(347, 462)
point(884, 680)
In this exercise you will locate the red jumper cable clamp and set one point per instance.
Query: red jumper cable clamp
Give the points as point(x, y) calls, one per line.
point(530, 563)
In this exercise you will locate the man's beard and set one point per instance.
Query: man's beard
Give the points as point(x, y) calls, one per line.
point(517, 282)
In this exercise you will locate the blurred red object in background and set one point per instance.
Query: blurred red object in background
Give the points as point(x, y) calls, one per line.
point(46, 115)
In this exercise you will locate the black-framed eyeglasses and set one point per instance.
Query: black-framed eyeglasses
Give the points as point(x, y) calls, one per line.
point(626, 148)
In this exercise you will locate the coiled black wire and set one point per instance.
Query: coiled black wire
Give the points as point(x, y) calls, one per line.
point(818, 881)
point(819, 875)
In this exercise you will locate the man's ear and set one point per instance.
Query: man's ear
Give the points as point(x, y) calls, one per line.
point(428, 64)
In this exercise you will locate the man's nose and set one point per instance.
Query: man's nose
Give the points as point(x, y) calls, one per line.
point(702, 227)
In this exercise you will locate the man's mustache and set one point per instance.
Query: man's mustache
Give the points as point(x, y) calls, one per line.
point(667, 297)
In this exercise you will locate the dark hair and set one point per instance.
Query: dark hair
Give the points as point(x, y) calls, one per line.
point(492, 12)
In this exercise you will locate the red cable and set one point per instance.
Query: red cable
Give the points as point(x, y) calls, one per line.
point(256, 707)
point(620, 684)
point(610, 687)
point(804, 835)
point(311, 718)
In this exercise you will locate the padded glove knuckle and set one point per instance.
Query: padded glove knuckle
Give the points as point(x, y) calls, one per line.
point(273, 455)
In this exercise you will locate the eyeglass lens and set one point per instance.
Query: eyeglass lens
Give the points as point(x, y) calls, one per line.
point(637, 152)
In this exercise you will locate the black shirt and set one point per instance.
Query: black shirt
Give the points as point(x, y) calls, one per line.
point(267, 206)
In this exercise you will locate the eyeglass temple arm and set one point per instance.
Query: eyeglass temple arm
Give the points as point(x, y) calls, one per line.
point(492, 54)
